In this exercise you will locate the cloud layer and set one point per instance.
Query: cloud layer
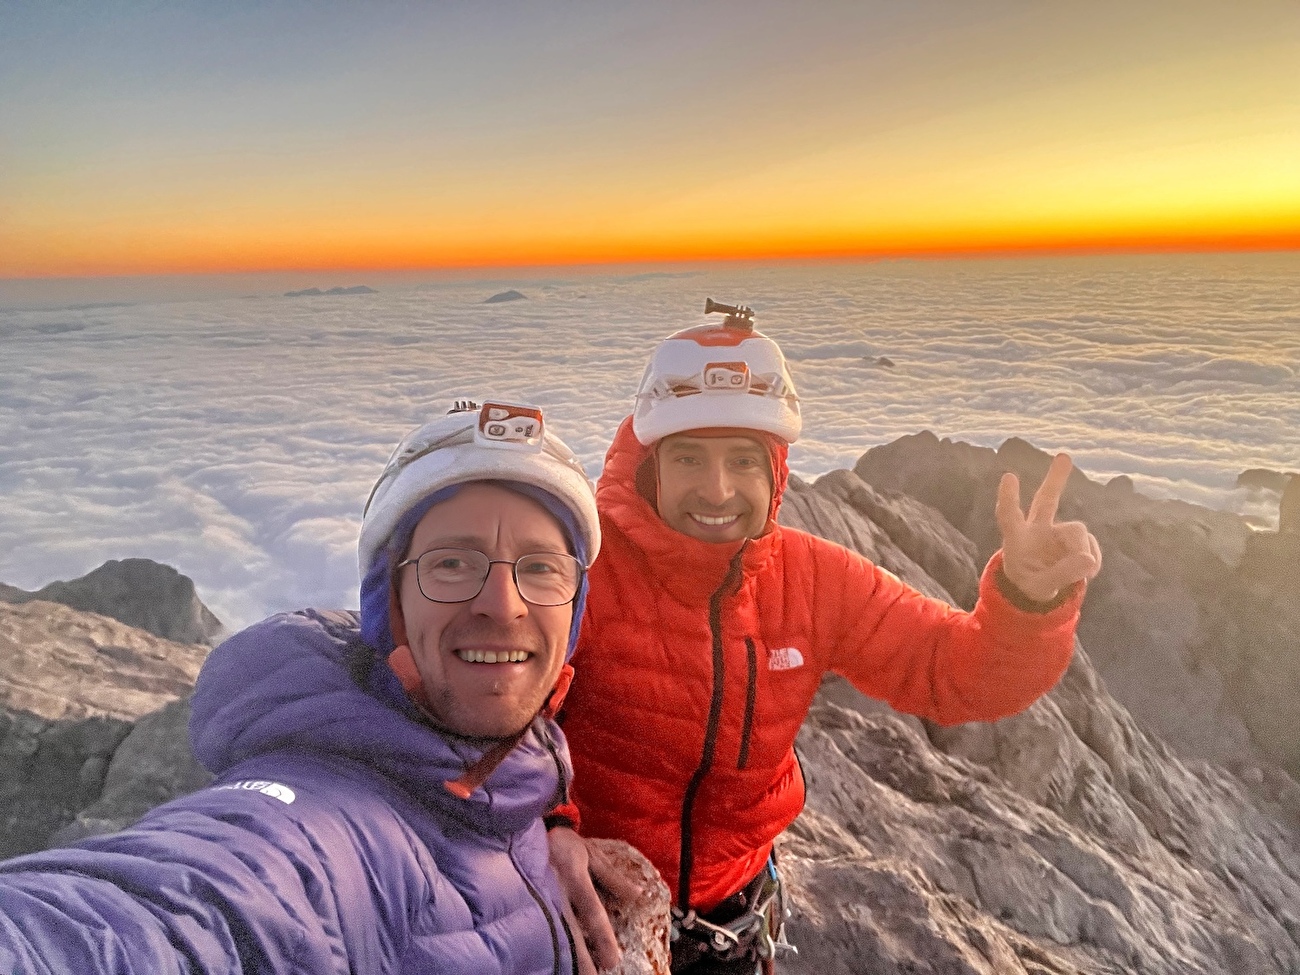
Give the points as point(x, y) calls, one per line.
point(237, 438)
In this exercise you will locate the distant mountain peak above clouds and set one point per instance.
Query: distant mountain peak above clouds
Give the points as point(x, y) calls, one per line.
point(359, 289)
point(500, 296)
point(138, 592)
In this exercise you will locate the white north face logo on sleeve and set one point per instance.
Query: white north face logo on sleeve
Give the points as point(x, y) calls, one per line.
point(275, 790)
point(787, 658)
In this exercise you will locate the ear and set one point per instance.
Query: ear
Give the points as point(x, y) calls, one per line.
point(396, 621)
point(647, 478)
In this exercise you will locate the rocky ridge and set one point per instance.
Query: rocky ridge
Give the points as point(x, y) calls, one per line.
point(1067, 839)
point(138, 592)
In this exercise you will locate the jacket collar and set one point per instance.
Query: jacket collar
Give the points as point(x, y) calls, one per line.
point(291, 682)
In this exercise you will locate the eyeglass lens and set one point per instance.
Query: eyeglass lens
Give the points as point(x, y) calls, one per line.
point(453, 575)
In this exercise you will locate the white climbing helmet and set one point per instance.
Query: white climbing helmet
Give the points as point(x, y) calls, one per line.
point(712, 375)
point(492, 442)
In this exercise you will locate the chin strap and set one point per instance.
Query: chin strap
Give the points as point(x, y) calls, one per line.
point(402, 663)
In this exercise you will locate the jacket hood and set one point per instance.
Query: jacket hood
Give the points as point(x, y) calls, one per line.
point(304, 681)
point(686, 566)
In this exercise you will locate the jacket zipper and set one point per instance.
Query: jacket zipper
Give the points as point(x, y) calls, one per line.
point(751, 692)
point(544, 733)
point(546, 913)
point(730, 581)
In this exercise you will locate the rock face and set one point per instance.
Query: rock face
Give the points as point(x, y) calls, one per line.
point(138, 592)
point(1166, 621)
point(1263, 479)
point(1065, 840)
point(1288, 515)
point(1060, 841)
point(71, 686)
point(151, 765)
point(641, 927)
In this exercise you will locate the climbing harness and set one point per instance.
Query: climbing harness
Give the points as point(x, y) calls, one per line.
point(758, 932)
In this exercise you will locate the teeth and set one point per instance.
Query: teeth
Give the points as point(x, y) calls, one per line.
point(710, 520)
point(493, 656)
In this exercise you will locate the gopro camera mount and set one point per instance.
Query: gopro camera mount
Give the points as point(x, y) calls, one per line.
point(738, 316)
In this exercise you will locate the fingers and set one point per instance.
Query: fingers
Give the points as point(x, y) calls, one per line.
point(613, 880)
point(582, 957)
point(594, 924)
point(573, 862)
point(1010, 518)
point(1080, 557)
point(1043, 507)
point(1073, 568)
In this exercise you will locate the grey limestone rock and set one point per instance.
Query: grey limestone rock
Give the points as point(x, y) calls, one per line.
point(138, 592)
point(1288, 516)
point(72, 686)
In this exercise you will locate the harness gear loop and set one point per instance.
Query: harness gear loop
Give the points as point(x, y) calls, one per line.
point(759, 931)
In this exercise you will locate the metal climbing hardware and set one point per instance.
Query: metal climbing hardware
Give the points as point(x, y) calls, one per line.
point(758, 932)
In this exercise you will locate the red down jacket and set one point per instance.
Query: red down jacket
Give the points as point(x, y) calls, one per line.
point(698, 662)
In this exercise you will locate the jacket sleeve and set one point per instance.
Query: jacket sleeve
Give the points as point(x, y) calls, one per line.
point(928, 658)
point(212, 883)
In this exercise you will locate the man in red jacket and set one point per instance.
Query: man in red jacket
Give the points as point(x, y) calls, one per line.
point(709, 627)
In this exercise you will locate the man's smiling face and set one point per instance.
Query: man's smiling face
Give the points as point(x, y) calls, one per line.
point(452, 643)
point(716, 489)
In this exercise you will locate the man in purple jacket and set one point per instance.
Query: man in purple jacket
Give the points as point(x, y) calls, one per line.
point(381, 776)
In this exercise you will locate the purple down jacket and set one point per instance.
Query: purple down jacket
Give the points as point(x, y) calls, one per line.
point(327, 843)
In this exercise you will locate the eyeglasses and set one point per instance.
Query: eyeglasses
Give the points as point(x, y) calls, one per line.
point(457, 575)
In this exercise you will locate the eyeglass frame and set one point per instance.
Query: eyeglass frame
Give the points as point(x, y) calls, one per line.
point(514, 575)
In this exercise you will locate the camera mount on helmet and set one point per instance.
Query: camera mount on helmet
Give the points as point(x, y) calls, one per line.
point(738, 316)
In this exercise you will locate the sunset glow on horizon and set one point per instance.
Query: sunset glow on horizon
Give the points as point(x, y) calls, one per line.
point(171, 139)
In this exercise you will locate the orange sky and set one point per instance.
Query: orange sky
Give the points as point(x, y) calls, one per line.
point(176, 140)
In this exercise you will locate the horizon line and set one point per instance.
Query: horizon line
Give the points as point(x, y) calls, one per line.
point(1154, 245)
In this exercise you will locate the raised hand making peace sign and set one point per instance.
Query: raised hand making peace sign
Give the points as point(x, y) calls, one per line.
point(1040, 555)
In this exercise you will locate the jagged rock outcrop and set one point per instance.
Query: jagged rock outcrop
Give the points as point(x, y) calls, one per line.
point(151, 765)
point(1063, 840)
point(1081, 846)
point(1263, 479)
point(138, 592)
point(1165, 621)
point(72, 684)
point(890, 528)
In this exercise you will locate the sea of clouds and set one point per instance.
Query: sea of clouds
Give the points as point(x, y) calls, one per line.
point(237, 438)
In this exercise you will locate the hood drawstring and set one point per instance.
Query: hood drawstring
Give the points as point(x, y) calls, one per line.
point(402, 663)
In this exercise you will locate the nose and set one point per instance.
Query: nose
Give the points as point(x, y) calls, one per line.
point(499, 598)
point(715, 485)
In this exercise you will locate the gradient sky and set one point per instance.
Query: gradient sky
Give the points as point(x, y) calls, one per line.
point(163, 137)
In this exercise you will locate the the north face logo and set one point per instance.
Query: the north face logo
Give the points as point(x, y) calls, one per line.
point(787, 658)
point(273, 789)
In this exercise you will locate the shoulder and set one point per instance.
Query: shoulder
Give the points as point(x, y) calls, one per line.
point(800, 550)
